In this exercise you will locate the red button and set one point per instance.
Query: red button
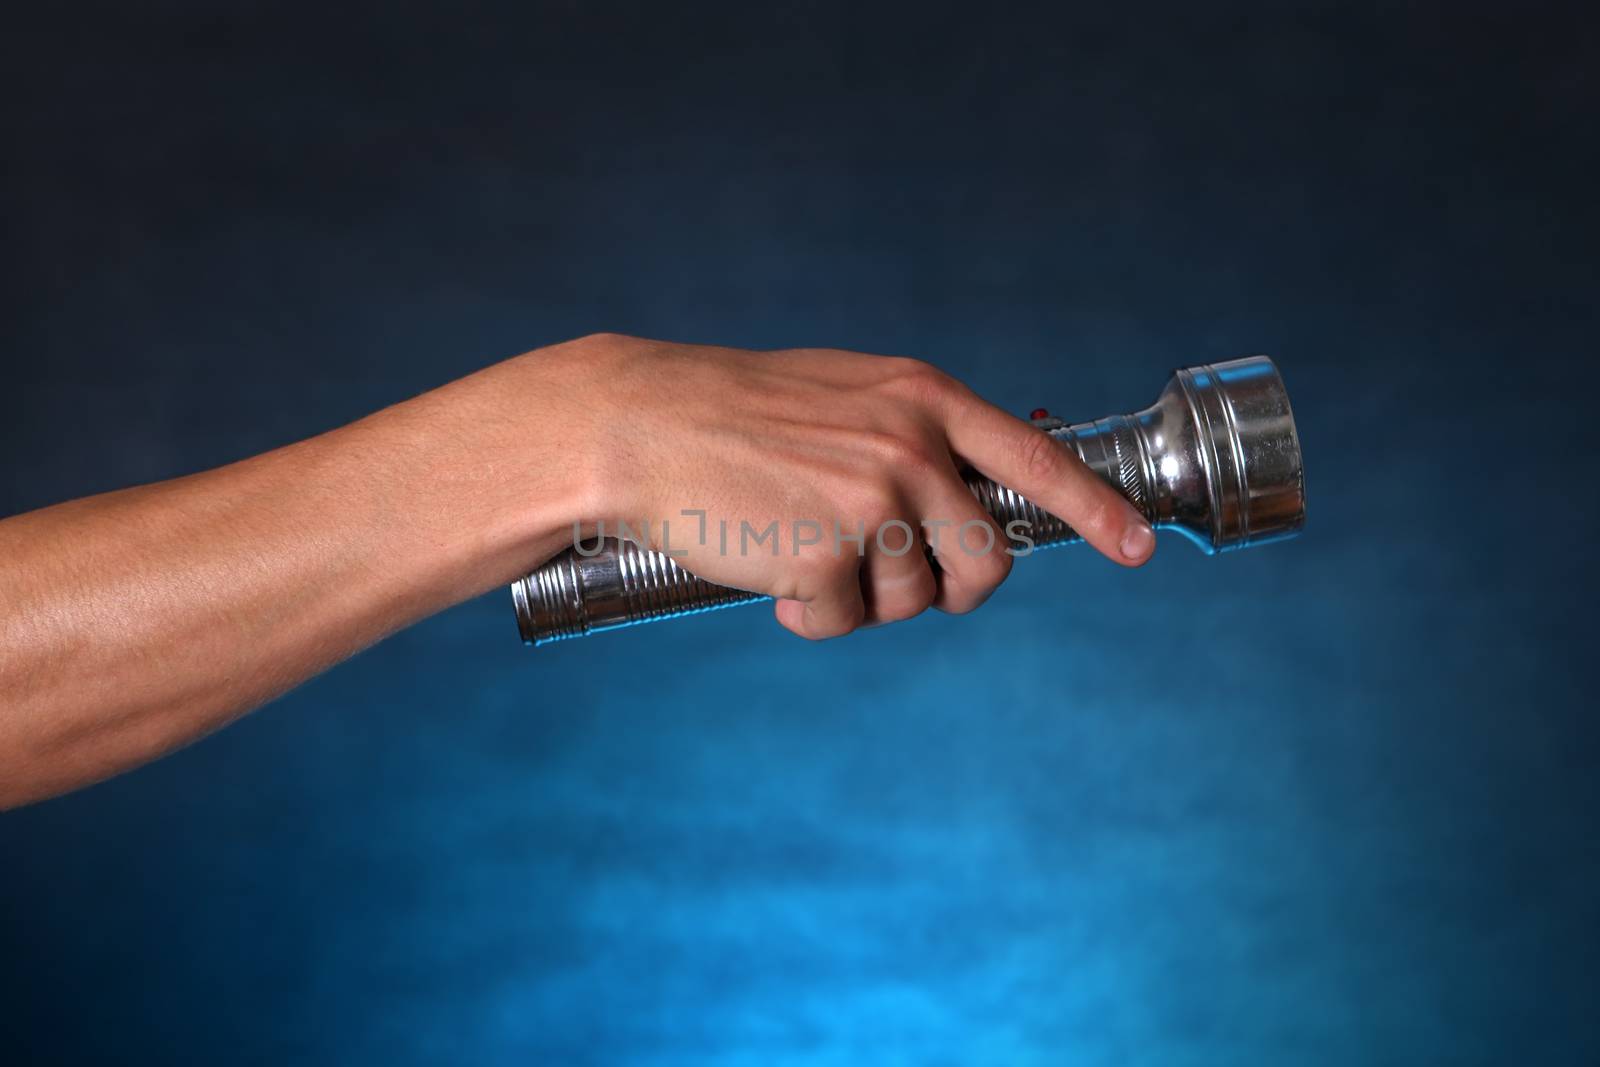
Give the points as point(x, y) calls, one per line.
point(1039, 413)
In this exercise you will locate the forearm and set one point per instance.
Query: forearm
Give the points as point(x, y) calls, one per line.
point(138, 620)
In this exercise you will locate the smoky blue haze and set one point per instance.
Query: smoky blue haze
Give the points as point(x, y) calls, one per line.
point(1329, 802)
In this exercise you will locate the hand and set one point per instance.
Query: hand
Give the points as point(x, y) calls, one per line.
point(700, 450)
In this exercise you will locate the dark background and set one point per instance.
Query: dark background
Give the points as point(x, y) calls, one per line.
point(1332, 801)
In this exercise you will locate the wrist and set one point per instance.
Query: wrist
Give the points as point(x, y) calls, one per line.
point(537, 426)
point(579, 411)
point(480, 480)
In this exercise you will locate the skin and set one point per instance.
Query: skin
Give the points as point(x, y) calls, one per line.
point(137, 621)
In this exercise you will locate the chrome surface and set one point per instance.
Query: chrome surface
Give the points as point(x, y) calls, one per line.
point(1216, 458)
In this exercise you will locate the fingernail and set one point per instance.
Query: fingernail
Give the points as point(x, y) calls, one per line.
point(1137, 541)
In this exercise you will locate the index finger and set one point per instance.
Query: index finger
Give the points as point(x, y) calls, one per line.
point(1024, 458)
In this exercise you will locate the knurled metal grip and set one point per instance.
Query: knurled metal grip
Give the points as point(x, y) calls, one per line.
point(1216, 457)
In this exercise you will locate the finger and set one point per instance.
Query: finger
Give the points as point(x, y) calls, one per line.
point(831, 605)
point(896, 577)
point(968, 545)
point(1030, 461)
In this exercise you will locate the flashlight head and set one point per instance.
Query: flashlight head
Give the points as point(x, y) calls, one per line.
point(1226, 455)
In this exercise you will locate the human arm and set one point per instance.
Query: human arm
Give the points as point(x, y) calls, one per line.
point(135, 621)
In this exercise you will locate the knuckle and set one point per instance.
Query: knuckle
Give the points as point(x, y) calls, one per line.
point(967, 600)
point(976, 576)
point(820, 569)
point(911, 601)
point(903, 454)
point(803, 578)
point(916, 456)
point(908, 599)
point(614, 342)
point(900, 609)
point(922, 382)
point(1041, 457)
point(906, 367)
point(815, 569)
point(961, 602)
point(990, 569)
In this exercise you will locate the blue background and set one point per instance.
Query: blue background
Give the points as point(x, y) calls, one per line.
point(1332, 801)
